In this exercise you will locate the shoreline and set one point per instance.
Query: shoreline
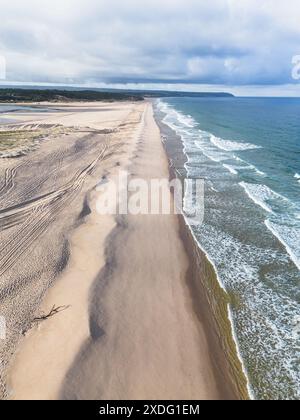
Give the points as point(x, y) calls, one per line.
point(217, 301)
point(198, 257)
point(185, 340)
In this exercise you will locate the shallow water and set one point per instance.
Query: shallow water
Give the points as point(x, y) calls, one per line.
point(11, 109)
point(248, 151)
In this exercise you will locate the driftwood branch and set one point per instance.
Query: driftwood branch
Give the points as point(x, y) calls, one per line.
point(54, 311)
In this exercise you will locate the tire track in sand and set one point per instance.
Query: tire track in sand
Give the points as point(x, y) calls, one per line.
point(37, 214)
point(8, 183)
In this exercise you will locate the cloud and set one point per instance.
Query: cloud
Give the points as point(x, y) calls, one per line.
point(228, 42)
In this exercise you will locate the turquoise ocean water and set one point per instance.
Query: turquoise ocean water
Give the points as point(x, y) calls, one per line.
point(248, 152)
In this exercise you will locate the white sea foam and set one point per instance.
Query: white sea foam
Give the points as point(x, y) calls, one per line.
point(231, 169)
point(183, 124)
point(260, 194)
point(297, 176)
point(188, 121)
point(215, 157)
point(214, 189)
point(289, 237)
point(270, 200)
point(238, 159)
point(248, 165)
point(211, 154)
point(257, 170)
point(231, 146)
point(176, 116)
point(254, 168)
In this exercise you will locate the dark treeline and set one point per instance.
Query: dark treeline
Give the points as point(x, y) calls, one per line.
point(37, 95)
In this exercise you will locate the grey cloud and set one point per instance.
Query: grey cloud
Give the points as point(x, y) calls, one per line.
point(171, 41)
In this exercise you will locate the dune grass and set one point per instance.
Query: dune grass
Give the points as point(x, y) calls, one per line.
point(16, 139)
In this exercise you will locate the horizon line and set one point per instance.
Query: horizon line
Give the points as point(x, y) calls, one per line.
point(288, 91)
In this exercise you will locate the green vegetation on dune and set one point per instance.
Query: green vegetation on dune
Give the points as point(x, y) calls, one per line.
point(15, 141)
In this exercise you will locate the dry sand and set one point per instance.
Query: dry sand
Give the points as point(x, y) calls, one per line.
point(130, 331)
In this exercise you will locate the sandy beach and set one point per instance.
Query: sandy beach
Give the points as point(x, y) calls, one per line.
point(128, 328)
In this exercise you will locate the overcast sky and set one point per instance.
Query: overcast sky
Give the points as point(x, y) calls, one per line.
point(239, 45)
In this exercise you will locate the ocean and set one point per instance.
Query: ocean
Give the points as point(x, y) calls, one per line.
point(248, 152)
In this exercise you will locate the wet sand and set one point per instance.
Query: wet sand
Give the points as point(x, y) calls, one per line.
point(130, 329)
